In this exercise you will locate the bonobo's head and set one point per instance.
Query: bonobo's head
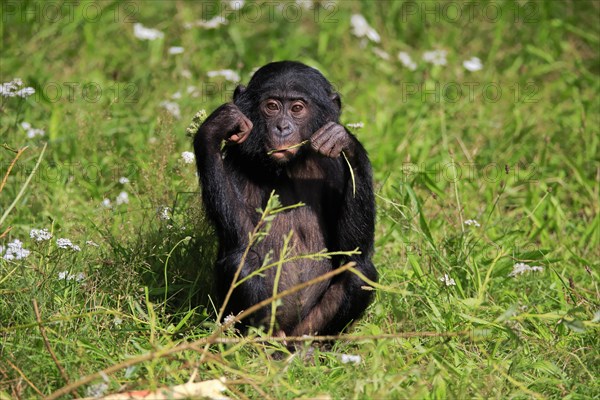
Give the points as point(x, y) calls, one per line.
point(287, 102)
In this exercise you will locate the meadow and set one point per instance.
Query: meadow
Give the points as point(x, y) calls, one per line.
point(481, 120)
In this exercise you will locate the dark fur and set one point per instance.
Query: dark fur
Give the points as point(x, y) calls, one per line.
point(234, 186)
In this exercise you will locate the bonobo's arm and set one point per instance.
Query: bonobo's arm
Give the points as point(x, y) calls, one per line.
point(345, 299)
point(223, 201)
point(356, 224)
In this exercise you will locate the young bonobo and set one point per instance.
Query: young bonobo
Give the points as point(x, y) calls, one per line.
point(282, 134)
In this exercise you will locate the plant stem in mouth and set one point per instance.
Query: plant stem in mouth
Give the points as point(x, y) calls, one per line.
point(288, 148)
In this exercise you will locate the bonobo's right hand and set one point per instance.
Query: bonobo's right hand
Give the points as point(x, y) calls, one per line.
point(227, 123)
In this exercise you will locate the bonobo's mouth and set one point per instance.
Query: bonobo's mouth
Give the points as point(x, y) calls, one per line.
point(285, 153)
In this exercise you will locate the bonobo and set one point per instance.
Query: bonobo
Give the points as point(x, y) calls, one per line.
point(282, 134)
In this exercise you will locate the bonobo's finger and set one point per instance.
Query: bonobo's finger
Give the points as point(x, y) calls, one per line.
point(243, 129)
point(319, 138)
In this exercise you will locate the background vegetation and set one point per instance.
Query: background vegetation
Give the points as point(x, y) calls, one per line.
point(512, 145)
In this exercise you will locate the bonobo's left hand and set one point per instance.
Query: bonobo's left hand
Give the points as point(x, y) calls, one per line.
point(330, 140)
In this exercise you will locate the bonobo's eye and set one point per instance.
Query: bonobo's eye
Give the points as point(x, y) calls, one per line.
point(298, 108)
point(271, 107)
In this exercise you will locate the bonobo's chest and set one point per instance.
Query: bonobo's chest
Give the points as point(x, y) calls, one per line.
point(305, 183)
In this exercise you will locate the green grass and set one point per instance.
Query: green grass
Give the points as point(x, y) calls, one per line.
point(523, 162)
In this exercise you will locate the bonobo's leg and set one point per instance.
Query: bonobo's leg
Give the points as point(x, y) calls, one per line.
point(247, 294)
point(345, 299)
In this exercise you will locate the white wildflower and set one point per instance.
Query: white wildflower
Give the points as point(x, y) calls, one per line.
point(210, 24)
point(521, 268)
point(97, 391)
point(473, 64)
point(472, 222)
point(306, 4)
point(64, 243)
point(40, 235)
point(176, 95)
point(407, 61)
point(186, 73)
point(381, 53)
point(228, 74)
point(172, 108)
point(230, 319)
point(106, 203)
point(15, 251)
point(92, 243)
point(188, 157)
point(447, 280)
point(350, 358)
point(176, 50)
point(25, 92)
point(66, 276)
point(122, 198)
point(356, 125)
point(123, 180)
point(32, 132)
point(361, 28)
point(143, 33)
point(236, 4)
point(13, 88)
point(163, 213)
point(7, 89)
point(435, 57)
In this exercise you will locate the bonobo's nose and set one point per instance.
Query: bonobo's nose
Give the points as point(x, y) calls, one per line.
point(284, 128)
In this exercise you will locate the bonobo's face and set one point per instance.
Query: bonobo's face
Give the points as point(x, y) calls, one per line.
point(286, 116)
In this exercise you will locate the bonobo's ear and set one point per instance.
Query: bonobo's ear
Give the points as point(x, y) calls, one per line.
point(335, 98)
point(238, 91)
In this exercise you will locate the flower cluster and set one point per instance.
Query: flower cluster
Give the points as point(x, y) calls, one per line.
point(40, 235)
point(447, 280)
point(172, 108)
point(63, 243)
point(210, 24)
point(143, 33)
point(356, 125)
point(435, 57)
point(228, 74)
point(66, 276)
point(13, 88)
point(176, 50)
point(122, 198)
point(163, 213)
point(472, 222)
point(521, 268)
point(473, 64)
point(361, 28)
point(350, 359)
point(407, 61)
point(32, 132)
point(14, 251)
point(188, 157)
